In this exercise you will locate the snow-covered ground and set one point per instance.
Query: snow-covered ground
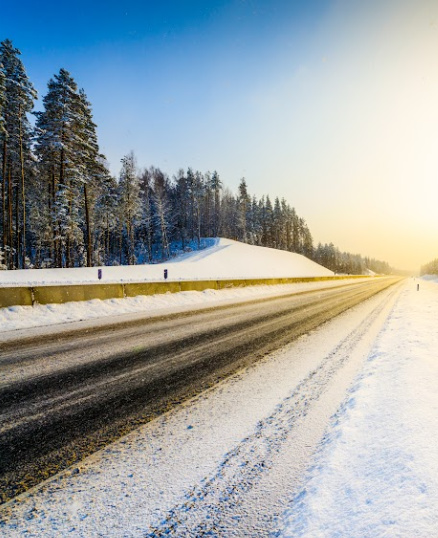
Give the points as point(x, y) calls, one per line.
point(242, 455)
point(222, 259)
point(195, 464)
point(376, 472)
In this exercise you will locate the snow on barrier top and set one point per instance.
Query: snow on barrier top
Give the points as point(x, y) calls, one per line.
point(31, 295)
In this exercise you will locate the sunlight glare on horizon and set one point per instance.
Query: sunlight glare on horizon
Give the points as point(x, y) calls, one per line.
point(364, 168)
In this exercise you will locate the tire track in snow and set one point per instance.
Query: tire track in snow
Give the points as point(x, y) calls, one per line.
point(219, 496)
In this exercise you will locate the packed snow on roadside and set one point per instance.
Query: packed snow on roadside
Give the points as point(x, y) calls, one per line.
point(21, 317)
point(223, 258)
point(376, 473)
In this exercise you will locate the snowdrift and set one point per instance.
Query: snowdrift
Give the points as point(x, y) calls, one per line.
point(225, 259)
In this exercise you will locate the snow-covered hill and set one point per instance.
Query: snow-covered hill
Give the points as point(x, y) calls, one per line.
point(224, 259)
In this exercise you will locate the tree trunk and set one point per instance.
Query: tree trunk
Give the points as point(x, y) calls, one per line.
point(87, 224)
point(23, 198)
point(4, 217)
point(11, 259)
point(17, 229)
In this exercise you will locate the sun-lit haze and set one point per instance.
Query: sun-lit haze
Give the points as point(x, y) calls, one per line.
point(331, 104)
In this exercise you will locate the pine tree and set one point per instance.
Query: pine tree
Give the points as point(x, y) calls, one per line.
point(92, 168)
point(163, 213)
point(58, 146)
point(18, 96)
point(147, 217)
point(198, 192)
point(244, 202)
point(195, 187)
point(277, 225)
point(256, 221)
point(2, 134)
point(269, 224)
point(106, 218)
point(129, 208)
point(2, 97)
point(207, 207)
point(181, 205)
point(216, 186)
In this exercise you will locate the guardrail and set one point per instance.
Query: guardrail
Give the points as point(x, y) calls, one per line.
point(63, 293)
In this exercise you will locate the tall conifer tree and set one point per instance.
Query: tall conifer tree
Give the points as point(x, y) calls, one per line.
point(16, 159)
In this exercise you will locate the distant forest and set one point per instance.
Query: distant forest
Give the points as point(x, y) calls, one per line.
point(430, 268)
point(60, 206)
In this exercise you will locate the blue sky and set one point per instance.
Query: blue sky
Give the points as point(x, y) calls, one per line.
point(329, 103)
point(165, 78)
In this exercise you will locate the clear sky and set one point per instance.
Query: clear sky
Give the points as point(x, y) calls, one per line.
point(332, 104)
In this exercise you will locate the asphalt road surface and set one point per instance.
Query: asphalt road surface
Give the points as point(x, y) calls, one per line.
point(63, 397)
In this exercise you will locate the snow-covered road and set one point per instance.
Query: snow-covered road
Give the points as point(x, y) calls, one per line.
point(233, 460)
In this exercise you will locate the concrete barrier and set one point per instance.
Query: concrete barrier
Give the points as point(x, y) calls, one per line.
point(85, 292)
point(15, 296)
point(27, 296)
point(199, 285)
point(150, 288)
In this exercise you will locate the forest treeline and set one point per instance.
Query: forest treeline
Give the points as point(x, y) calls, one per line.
point(430, 268)
point(61, 207)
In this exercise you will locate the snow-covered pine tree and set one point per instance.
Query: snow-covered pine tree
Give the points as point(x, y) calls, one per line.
point(59, 146)
point(181, 205)
point(307, 241)
point(269, 223)
point(286, 225)
point(146, 229)
point(228, 215)
point(129, 206)
point(295, 230)
point(163, 214)
point(256, 221)
point(17, 163)
point(216, 187)
point(2, 97)
point(192, 209)
point(2, 178)
point(277, 225)
point(206, 207)
point(198, 194)
point(91, 167)
point(244, 204)
point(106, 221)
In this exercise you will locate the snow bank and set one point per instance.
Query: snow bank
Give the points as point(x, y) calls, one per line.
point(24, 317)
point(430, 278)
point(376, 473)
point(225, 259)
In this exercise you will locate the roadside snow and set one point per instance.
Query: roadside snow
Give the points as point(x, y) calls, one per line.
point(225, 259)
point(376, 473)
point(22, 317)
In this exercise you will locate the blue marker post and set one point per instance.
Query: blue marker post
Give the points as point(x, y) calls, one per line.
point(99, 274)
point(165, 274)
